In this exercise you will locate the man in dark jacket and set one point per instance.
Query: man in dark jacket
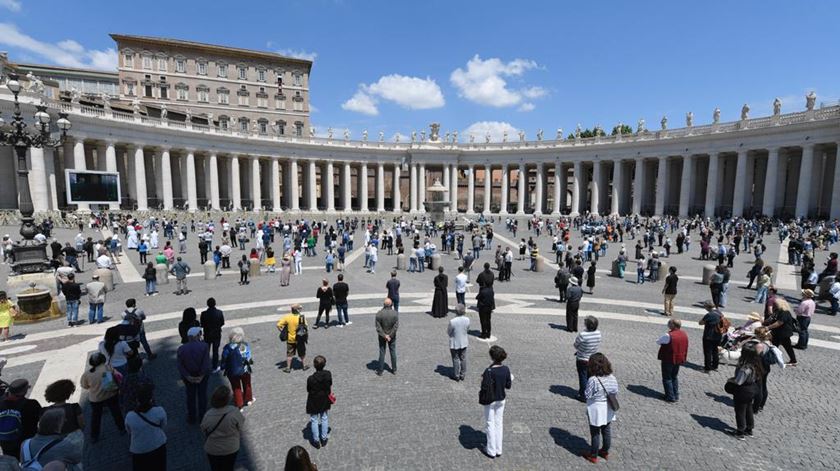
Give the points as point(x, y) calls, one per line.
point(561, 282)
point(73, 294)
point(340, 290)
point(486, 300)
point(387, 323)
point(194, 367)
point(573, 296)
point(212, 321)
point(318, 388)
point(18, 416)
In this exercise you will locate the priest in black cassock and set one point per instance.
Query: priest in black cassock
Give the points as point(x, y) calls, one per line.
point(440, 305)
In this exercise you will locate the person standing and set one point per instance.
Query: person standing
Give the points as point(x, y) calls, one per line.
point(387, 322)
point(146, 424)
point(73, 295)
point(18, 417)
point(561, 282)
point(244, 270)
point(601, 383)
point(101, 394)
point(8, 311)
point(486, 300)
point(212, 320)
point(285, 270)
point(573, 296)
point(96, 300)
point(393, 288)
point(495, 380)
point(150, 275)
point(440, 302)
point(586, 344)
point(711, 336)
point(673, 351)
point(297, 459)
point(590, 277)
point(782, 328)
point(763, 284)
point(180, 269)
point(237, 364)
point(340, 290)
point(318, 402)
point(325, 302)
point(222, 427)
point(461, 286)
point(458, 341)
point(296, 334)
point(133, 316)
point(194, 367)
point(804, 312)
point(669, 291)
point(746, 381)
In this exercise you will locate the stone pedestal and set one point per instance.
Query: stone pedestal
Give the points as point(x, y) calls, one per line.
point(435, 261)
point(824, 286)
point(254, 268)
point(708, 271)
point(663, 270)
point(162, 274)
point(401, 261)
point(105, 276)
point(540, 264)
point(209, 270)
point(614, 271)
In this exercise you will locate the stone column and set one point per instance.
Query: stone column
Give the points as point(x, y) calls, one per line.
point(421, 188)
point(412, 189)
point(330, 190)
point(192, 191)
point(488, 187)
point(661, 185)
point(294, 188)
point(538, 190)
point(471, 189)
point(806, 171)
point(739, 194)
point(768, 206)
point(275, 185)
point(617, 188)
point(558, 173)
point(380, 187)
point(503, 198)
point(235, 190)
point(520, 196)
point(576, 182)
point(446, 183)
point(256, 183)
point(214, 181)
point(347, 190)
point(166, 178)
point(53, 176)
point(140, 178)
point(638, 185)
point(38, 180)
point(312, 184)
point(834, 211)
point(594, 205)
point(111, 166)
point(396, 189)
point(79, 163)
point(453, 193)
point(686, 185)
point(363, 187)
point(564, 187)
point(711, 185)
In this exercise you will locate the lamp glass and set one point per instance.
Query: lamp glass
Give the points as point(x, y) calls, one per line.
point(14, 85)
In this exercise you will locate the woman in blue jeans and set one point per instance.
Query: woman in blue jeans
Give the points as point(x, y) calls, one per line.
point(150, 275)
point(601, 382)
point(318, 402)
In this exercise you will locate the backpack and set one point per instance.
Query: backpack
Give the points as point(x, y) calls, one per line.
point(31, 463)
point(10, 421)
point(235, 362)
point(302, 332)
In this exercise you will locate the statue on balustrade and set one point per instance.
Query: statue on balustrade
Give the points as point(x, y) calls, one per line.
point(577, 131)
point(135, 106)
point(413, 136)
point(559, 134)
point(329, 133)
point(311, 131)
point(75, 95)
point(745, 112)
point(397, 138)
point(539, 134)
point(106, 101)
point(447, 137)
point(346, 134)
point(455, 137)
point(381, 136)
point(434, 135)
point(504, 136)
point(472, 138)
point(716, 116)
point(188, 113)
point(640, 126)
point(664, 123)
point(364, 135)
point(487, 137)
point(810, 101)
point(164, 113)
point(689, 119)
point(422, 136)
point(777, 107)
point(521, 136)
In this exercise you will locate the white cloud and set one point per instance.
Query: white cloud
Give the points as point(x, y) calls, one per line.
point(525, 107)
point(483, 82)
point(297, 54)
point(495, 128)
point(67, 53)
point(413, 93)
point(11, 5)
point(361, 102)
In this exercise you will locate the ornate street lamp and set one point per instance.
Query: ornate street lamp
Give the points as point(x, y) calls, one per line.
point(29, 254)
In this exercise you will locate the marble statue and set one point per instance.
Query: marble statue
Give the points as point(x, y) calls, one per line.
point(559, 134)
point(521, 136)
point(364, 135)
point(664, 123)
point(434, 135)
point(75, 95)
point(487, 137)
point(777, 107)
point(106, 101)
point(539, 134)
point(577, 131)
point(810, 101)
point(422, 136)
point(397, 138)
point(34, 84)
point(745, 112)
point(504, 136)
point(164, 113)
point(640, 126)
point(716, 116)
point(135, 106)
point(381, 136)
point(188, 114)
point(210, 119)
point(346, 134)
point(311, 131)
point(329, 133)
point(689, 119)
point(447, 137)
point(413, 137)
point(455, 137)
point(472, 138)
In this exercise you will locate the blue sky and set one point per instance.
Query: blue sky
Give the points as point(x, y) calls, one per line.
point(396, 66)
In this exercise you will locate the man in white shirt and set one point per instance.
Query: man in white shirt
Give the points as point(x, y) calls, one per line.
point(458, 340)
point(103, 261)
point(834, 296)
point(460, 286)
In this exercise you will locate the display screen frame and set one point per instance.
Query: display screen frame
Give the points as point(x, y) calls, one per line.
point(71, 200)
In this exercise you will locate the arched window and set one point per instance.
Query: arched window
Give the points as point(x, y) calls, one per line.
point(224, 122)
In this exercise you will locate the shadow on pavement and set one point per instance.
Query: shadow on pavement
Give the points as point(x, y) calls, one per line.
point(471, 438)
point(644, 391)
point(563, 390)
point(711, 422)
point(572, 443)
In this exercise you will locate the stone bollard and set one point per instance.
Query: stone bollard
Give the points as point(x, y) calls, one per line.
point(435, 261)
point(106, 276)
point(708, 271)
point(254, 268)
point(824, 287)
point(162, 274)
point(663, 270)
point(540, 265)
point(209, 270)
point(401, 261)
point(614, 270)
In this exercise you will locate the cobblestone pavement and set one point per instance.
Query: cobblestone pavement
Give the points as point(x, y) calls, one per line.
point(420, 419)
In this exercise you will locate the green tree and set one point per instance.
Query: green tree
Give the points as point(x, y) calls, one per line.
point(625, 130)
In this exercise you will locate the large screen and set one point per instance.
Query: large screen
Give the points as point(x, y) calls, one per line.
point(87, 186)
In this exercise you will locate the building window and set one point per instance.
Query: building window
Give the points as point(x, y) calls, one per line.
point(280, 79)
point(164, 92)
point(182, 92)
point(129, 89)
point(243, 72)
point(162, 64)
point(242, 96)
point(147, 62)
point(224, 96)
point(224, 122)
point(298, 80)
point(263, 126)
point(298, 129)
point(261, 75)
point(221, 70)
point(281, 127)
point(202, 68)
point(298, 102)
point(147, 90)
point(243, 124)
point(280, 102)
point(128, 60)
point(203, 93)
point(181, 66)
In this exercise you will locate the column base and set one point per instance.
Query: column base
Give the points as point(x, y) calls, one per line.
point(520, 213)
point(502, 213)
point(574, 214)
point(276, 209)
point(470, 212)
point(555, 213)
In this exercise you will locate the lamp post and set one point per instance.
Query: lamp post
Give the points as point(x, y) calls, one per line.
point(30, 255)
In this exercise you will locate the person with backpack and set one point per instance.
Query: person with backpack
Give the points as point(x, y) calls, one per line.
point(744, 387)
point(237, 366)
point(711, 336)
point(294, 331)
point(194, 367)
point(222, 427)
point(134, 317)
point(18, 417)
point(601, 405)
point(494, 381)
point(770, 355)
point(50, 445)
point(244, 270)
point(58, 393)
point(146, 424)
point(102, 383)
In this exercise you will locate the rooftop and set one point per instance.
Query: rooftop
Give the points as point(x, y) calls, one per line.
point(45, 68)
point(211, 48)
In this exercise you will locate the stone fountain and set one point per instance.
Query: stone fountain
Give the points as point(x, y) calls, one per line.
point(436, 201)
point(36, 303)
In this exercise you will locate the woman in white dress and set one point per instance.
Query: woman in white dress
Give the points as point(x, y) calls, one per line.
point(153, 239)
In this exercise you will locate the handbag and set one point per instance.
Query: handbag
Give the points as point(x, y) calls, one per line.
point(731, 386)
point(486, 395)
point(612, 399)
point(284, 333)
point(331, 397)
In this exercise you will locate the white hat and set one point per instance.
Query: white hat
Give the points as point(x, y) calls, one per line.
point(573, 280)
point(194, 332)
